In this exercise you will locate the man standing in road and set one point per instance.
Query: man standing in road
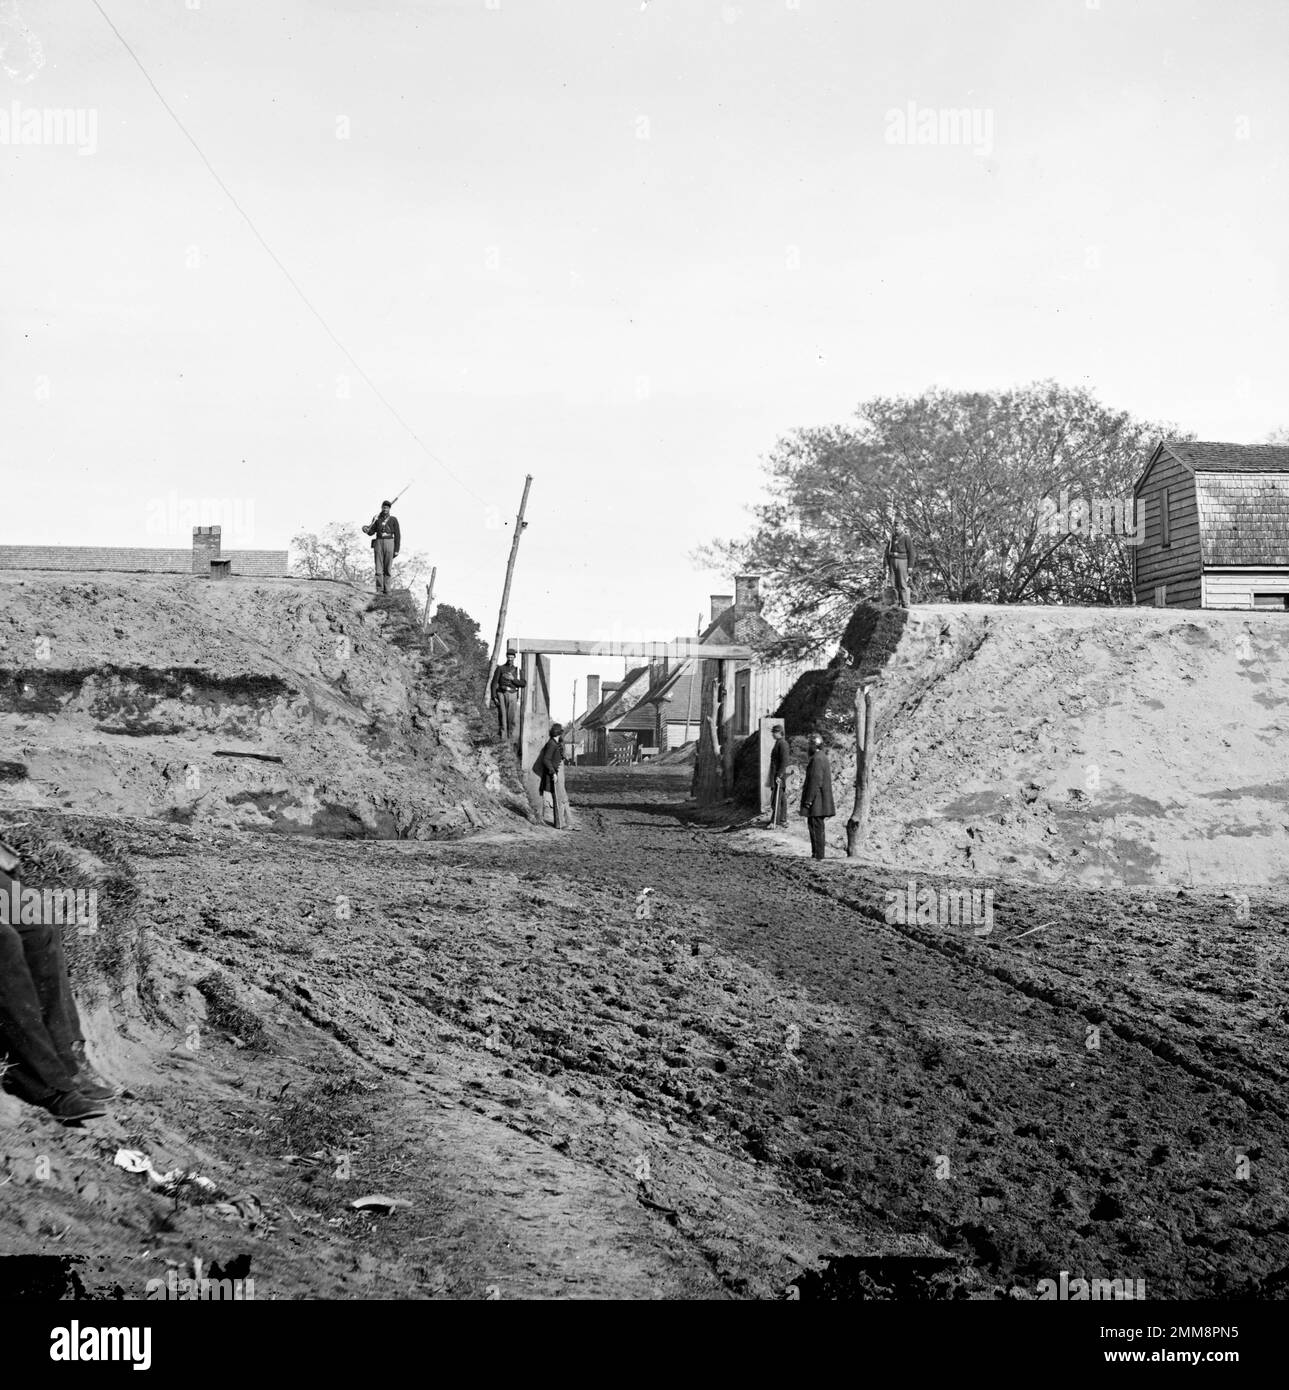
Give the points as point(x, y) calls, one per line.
point(780, 755)
point(548, 766)
point(816, 794)
point(504, 695)
point(386, 542)
point(899, 561)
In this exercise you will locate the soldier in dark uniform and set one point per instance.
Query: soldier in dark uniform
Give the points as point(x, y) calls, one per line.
point(386, 542)
point(548, 766)
point(39, 1027)
point(816, 794)
point(899, 561)
point(504, 694)
point(780, 756)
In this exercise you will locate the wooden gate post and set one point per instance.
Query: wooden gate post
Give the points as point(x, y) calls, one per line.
point(864, 737)
point(429, 595)
point(707, 764)
point(766, 746)
point(726, 681)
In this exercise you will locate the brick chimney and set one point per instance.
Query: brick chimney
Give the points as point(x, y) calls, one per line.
point(720, 602)
point(747, 592)
point(592, 691)
point(205, 548)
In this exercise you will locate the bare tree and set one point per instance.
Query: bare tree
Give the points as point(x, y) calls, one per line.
point(342, 552)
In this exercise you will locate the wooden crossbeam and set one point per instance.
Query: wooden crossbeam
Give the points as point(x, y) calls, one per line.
point(676, 651)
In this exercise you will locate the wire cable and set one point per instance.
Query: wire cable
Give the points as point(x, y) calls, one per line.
point(277, 261)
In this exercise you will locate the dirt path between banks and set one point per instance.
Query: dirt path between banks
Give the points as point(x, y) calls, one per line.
point(750, 1084)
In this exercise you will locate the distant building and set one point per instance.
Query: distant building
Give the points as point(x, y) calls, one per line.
point(597, 731)
point(668, 713)
point(1215, 526)
point(205, 558)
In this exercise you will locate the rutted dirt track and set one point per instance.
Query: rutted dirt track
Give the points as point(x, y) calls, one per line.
point(758, 1085)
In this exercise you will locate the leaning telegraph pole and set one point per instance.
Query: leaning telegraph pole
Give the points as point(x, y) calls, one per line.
point(520, 523)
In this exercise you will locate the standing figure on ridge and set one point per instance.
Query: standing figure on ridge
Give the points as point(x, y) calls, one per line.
point(386, 542)
point(503, 693)
point(899, 561)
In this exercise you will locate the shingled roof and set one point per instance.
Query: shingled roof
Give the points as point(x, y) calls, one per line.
point(1204, 457)
point(742, 625)
point(677, 694)
point(614, 705)
point(1244, 516)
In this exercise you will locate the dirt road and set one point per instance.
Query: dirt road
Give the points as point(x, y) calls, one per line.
point(744, 1082)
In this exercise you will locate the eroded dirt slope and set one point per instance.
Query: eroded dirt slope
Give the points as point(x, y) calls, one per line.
point(258, 704)
point(1110, 746)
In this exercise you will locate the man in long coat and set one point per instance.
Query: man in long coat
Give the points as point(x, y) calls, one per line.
point(548, 765)
point(816, 794)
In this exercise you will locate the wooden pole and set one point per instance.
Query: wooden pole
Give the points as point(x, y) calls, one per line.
point(864, 737)
point(520, 524)
point(695, 678)
point(429, 595)
point(707, 767)
point(530, 669)
point(726, 679)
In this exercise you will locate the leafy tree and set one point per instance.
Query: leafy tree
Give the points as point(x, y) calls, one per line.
point(342, 552)
point(459, 630)
point(974, 477)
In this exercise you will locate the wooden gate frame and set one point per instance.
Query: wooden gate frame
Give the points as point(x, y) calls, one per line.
point(534, 707)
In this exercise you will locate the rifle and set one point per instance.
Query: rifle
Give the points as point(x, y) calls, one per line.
point(367, 530)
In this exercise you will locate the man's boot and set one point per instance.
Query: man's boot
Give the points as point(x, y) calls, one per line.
point(88, 1082)
point(71, 1107)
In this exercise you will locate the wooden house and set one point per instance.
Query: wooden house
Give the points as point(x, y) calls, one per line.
point(1213, 521)
point(669, 715)
point(598, 730)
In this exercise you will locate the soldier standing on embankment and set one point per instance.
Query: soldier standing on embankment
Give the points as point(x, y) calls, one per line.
point(504, 694)
point(816, 794)
point(386, 542)
point(899, 560)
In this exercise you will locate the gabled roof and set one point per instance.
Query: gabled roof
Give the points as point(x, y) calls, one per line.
point(743, 625)
point(1205, 457)
point(638, 719)
point(683, 689)
point(1243, 517)
point(1242, 496)
point(677, 695)
point(615, 704)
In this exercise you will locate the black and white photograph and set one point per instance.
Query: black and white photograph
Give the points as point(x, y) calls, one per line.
point(644, 657)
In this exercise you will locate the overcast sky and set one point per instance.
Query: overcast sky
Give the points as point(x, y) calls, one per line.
point(622, 247)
